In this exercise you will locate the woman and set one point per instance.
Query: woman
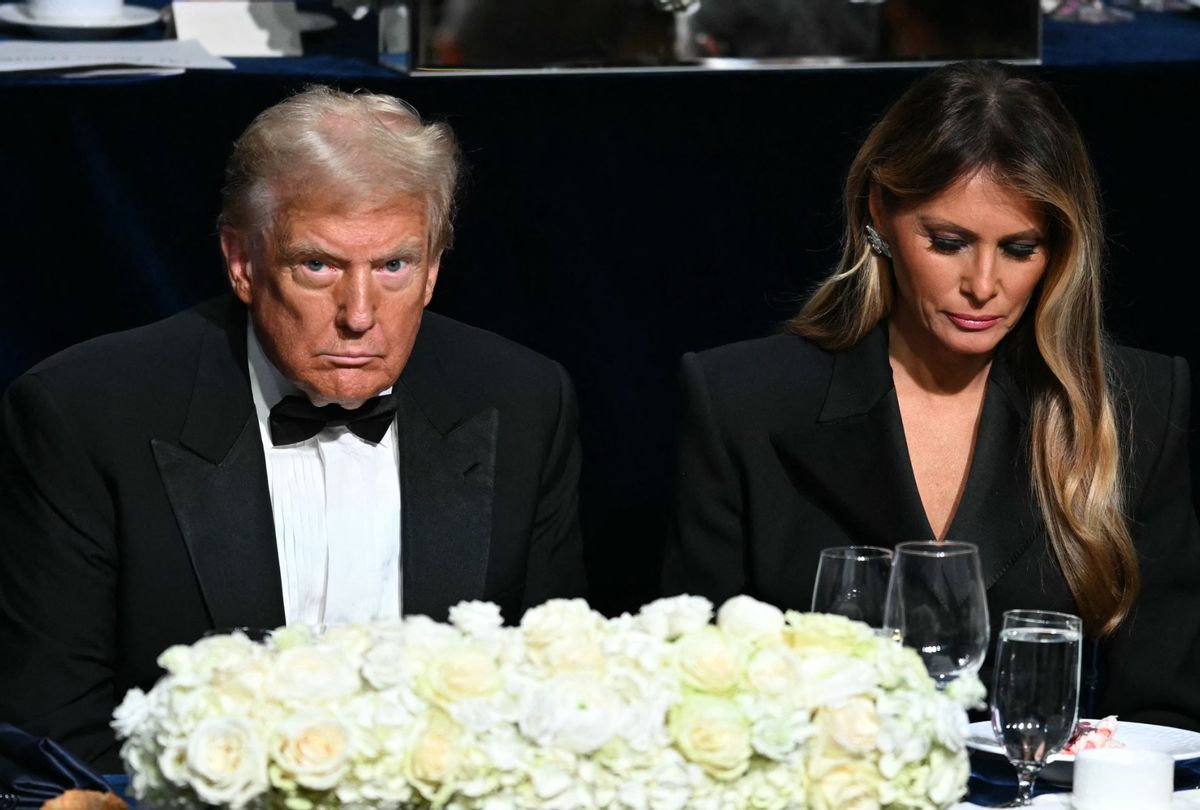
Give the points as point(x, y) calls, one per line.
point(951, 379)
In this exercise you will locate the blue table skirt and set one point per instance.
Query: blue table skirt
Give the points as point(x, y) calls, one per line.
point(992, 781)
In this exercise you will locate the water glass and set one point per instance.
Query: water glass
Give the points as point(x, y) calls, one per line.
point(937, 605)
point(852, 582)
point(1035, 699)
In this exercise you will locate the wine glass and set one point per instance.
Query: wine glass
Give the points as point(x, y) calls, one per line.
point(852, 582)
point(937, 605)
point(1035, 699)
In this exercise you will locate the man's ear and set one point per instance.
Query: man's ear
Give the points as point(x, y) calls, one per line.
point(431, 277)
point(239, 263)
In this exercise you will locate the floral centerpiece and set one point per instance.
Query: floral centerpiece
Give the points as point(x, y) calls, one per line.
point(662, 710)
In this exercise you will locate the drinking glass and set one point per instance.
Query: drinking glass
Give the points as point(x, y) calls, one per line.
point(937, 605)
point(852, 582)
point(1035, 699)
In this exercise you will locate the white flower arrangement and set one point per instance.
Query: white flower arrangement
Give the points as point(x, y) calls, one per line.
point(660, 711)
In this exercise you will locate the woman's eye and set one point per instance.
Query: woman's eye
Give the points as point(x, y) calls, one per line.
point(315, 265)
point(945, 244)
point(1020, 250)
point(396, 265)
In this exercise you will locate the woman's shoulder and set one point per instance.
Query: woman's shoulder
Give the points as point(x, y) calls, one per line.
point(751, 360)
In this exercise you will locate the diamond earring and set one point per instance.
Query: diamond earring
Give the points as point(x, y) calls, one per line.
point(878, 243)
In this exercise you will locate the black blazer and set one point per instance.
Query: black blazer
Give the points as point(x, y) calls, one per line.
point(135, 514)
point(787, 449)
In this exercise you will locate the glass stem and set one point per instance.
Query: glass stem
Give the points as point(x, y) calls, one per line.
point(1026, 774)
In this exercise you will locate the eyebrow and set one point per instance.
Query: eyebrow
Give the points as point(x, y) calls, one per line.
point(290, 254)
point(946, 225)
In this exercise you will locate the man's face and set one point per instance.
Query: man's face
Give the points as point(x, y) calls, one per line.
point(336, 296)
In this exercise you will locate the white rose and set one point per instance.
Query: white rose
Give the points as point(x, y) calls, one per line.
point(854, 725)
point(573, 712)
point(774, 736)
point(746, 617)
point(226, 761)
point(312, 750)
point(307, 674)
point(968, 692)
point(355, 639)
point(772, 671)
point(823, 679)
point(558, 619)
point(674, 616)
point(460, 672)
point(432, 759)
point(477, 619)
point(838, 782)
point(576, 654)
point(714, 734)
point(710, 661)
point(386, 664)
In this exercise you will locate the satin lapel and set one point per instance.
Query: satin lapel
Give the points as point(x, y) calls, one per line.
point(216, 482)
point(997, 511)
point(854, 460)
point(447, 486)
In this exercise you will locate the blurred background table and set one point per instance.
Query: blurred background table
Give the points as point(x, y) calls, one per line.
point(609, 220)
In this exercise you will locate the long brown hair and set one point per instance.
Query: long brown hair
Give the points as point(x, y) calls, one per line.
point(956, 120)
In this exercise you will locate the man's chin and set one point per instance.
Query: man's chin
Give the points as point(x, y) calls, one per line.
point(349, 396)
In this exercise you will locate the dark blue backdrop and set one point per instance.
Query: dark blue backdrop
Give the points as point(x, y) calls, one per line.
point(609, 221)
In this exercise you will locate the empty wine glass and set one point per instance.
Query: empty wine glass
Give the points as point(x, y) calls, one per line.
point(1035, 699)
point(852, 581)
point(937, 605)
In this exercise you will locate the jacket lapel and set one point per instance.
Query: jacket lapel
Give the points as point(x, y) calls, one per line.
point(447, 483)
point(216, 481)
point(853, 458)
point(997, 511)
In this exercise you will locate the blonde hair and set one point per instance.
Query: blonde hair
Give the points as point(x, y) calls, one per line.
point(339, 148)
point(984, 116)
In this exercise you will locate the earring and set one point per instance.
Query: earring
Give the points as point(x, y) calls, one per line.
point(877, 242)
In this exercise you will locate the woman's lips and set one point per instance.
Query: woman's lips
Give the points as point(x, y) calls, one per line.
point(973, 323)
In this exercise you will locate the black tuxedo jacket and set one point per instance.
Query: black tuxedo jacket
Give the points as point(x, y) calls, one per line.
point(135, 514)
point(787, 449)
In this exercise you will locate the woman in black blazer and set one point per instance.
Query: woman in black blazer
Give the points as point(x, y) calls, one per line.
point(951, 380)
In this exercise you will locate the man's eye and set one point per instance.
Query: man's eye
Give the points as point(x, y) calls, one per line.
point(396, 265)
point(945, 244)
point(315, 265)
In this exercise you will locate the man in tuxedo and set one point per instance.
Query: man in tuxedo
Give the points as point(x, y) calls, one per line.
point(313, 448)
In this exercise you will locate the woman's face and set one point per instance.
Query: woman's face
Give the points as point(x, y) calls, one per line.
point(966, 263)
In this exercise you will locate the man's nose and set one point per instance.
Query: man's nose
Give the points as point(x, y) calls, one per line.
point(356, 301)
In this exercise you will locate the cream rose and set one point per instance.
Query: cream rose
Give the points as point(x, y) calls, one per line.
point(460, 672)
point(432, 757)
point(710, 661)
point(312, 751)
point(841, 783)
point(477, 619)
point(226, 762)
point(772, 671)
point(712, 733)
point(853, 725)
point(558, 619)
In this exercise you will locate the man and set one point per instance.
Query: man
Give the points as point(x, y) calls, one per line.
point(161, 483)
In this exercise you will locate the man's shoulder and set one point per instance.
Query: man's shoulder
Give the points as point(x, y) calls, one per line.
point(152, 355)
point(468, 352)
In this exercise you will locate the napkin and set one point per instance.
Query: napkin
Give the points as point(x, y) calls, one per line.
point(34, 770)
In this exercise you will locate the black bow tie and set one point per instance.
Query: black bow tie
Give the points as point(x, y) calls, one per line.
point(295, 419)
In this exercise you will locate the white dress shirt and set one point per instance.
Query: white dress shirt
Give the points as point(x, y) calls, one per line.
point(336, 503)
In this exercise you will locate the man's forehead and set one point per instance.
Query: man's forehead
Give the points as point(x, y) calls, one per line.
point(400, 219)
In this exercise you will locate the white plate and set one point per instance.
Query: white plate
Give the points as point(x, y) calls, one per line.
point(129, 17)
point(1178, 743)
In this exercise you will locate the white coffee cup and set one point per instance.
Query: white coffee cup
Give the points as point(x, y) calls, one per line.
point(1122, 778)
point(73, 10)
